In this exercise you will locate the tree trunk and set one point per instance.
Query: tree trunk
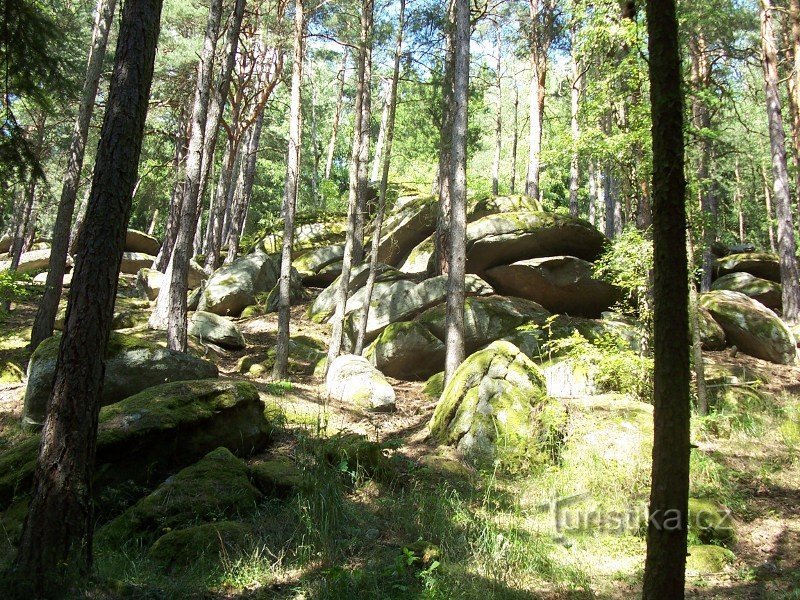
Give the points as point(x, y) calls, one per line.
point(337, 322)
point(768, 206)
point(538, 82)
point(454, 315)
point(316, 151)
point(498, 123)
point(290, 197)
point(222, 202)
point(575, 97)
point(337, 115)
point(592, 192)
point(664, 574)
point(377, 161)
point(48, 305)
point(57, 535)
point(737, 198)
point(794, 87)
point(176, 198)
point(442, 236)
point(363, 147)
point(515, 141)
point(391, 103)
point(697, 342)
point(783, 207)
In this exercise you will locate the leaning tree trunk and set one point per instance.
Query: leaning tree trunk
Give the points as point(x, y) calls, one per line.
point(290, 197)
point(171, 301)
point(48, 305)
point(391, 103)
point(57, 535)
point(664, 575)
point(454, 313)
point(783, 208)
point(337, 115)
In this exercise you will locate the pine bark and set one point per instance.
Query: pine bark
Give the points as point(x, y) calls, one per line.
point(498, 119)
point(442, 185)
point(575, 130)
point(664, 575)
point(48, 305)
point(514, 143)
point(337, 115)
point(768, 207)
point(57, 535)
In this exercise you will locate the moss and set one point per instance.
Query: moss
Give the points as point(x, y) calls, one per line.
point(253, 310)
point(434, 386)
point(277, 476)
point(11, 373)
point(202, 546)
point(117, 343)
point(710, 523)
point(16, 469)
point(705, 559)
point(216, 487)
point(13, 519)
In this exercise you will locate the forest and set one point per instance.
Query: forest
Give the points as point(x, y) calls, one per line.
point(394, 299)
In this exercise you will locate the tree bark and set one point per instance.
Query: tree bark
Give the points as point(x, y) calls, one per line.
point(279, 369)
point(176, 198)
point(664, 575)
point(454, 312)
point(737, 198)
point(442, 236)
point(542, 14)
point(364, 130)
point(515, 142)
point(377, 161)
point(575, 98)
point(768, 206)
point(498, 122)
point(593, 195)
point(783, 207)
point(48, 305)
point(57, 535)
point(337, 115)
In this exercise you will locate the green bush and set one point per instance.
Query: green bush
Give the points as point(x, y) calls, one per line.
point(14, 287)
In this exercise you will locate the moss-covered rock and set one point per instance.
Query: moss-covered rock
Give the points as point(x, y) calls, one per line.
point(132, 262)
point(216, 487)
point(758, 264)
point(765, 291)
point(276, 476)
point(712, 335)
point(406, 350)
point(139, 241)
point(233, 287)
point(297, 293)
point(493, 405)
point(409, 224)
point(353, 380)
point(203, 546)
point(208, 327)
point(419, 261)
point(156, 432)
point(710, 522)
point(311, 263)
point(706, 559)
point(497, 205)
point(434, 386)
point(751, 326)
point(132, 365)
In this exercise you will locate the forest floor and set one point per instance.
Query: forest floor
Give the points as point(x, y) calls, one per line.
point(425, 525)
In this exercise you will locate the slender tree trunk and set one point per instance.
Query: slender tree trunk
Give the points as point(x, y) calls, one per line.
point(337, 115)
point(592, 192)
point(442, 236)
point(23, 222)
point(664, 575)
point(737, 198)
point(454, 315)
point(538, 81)
point(697, 342)
point(794, 88)
point(176, 199)
point(514, 142)
point(391, 103)
point(222, 202)
point(48, 305)
point(783, 207)
point(575, 98)
point(363, 147)
point(498, 122)
point(153, 220)
point(377, 161)
point(279, 370)
point(768, 206)
point(316, 151)
point(57, 535)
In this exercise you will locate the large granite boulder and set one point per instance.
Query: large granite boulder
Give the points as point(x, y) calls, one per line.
point(149, 282)
point(156, 432)
point(233, 287)
point(208, 327)
point(751, 326)
point(765, 291)
point(311, 265)
point(32, 261)
point(419, 261)
point(306, 235)
point(353, 380)
point(403, 306)
point(758, 264)
point(132, 262)
point(496, 205)
point(509, 237)
point(41, 279)
point(494, 405)
point(139, 241)
point(563, 284)
point(132, 365)
point(5, 243)
point(407, 226)
point(407, 350)
point(712, 336)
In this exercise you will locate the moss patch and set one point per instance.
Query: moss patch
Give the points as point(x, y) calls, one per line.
point(208, 545)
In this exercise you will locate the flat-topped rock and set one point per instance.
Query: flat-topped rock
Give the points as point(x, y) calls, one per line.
point(758, 264)
point(765, 291)
point(139, 241)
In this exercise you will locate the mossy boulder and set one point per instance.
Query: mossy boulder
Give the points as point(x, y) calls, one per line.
point(405, 227)
point(276, 476)
point(486, 319)
point(496, 205)
point(751, 326)
point(419, 261)
point(205, 546)
point(304, 355)
point(156, 432)
point(563, 284)
point(310, 263)
point(132, 365)
point(297, 293)
point(139, 241)
point(493, 405)
point(765, 291)
point(353, 380)
point(133, 262)
point(208, 327)
point(509, 237)
point(712, 336)
point(406, 350)
point(233, 287)
point(216, 487)
point(710, 522)
point(706, 559)
point(759, 264)
point(32, 261)
point(434, 386)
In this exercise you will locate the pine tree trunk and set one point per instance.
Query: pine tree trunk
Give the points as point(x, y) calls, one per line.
point(664, 575)
point(57, 535)
point(337, 115)
point(279, 370)
point(592, 192)
point(363, 147)
point(498, 123)
point(514, 142)
point(222, 202)
point(316, 151)
point(48, 305)
point(737, 197)
point(575, 98)
point(176, 198)
point(454, 315)
point(377, 159)
point(538, 81)
point(391, 103)
point(794, 87)
point(783, 207)
point(768, 206)
point(443, 188)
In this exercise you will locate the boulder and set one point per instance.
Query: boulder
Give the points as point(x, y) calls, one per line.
point(563, 284)
point(208, 327)
point(35, 260)
point(210, 545)
point(216, 487)
point(568, 378)
point(139, 241)
point(132, 365)
point(312, 263)
point(306, 235)
point(706, 559)
point(758, 264)
point(765, 291)
point(751, 326)
point(353, 380)
point(233, 287)
point(297, 293)
point(420, 260)
point(486, 319)
point(710, 522)
point(496, 205)
point(132, 262)
point(493, 406)
point(406, 227)
point(712, 335)
point(509, 237)
point(157, 432)
point(719, 249)
point(196, 275)
point(406, 350)
point(5, 243)
point(148, 283)
point(41, 279)
point(406, 304)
